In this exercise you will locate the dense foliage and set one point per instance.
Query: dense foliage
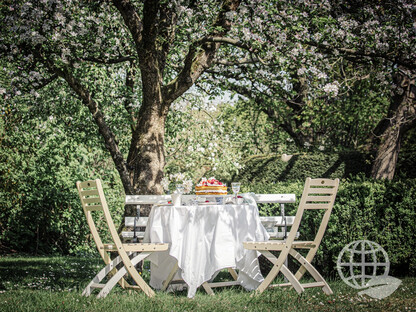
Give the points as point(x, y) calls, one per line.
point(129, 61)
point(379, 211)
point(270, 168)
point(41, 158)
point(266, 169)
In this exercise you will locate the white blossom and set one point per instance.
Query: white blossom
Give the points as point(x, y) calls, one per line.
point(331, 88)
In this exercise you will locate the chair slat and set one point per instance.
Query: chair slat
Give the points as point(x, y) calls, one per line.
point(145, 247)
point(88, 184)
point(318, 206)
point(274, 198)
point(89, 193)
point(91, 200)
point(323, 182)
point(130, 234)
point(318, 198)
point(277, 221)
point(146, 199)
point(322, 190)
point(142, 221)
point(94, 208)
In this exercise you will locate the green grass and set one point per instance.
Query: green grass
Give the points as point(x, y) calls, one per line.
point(55, 284)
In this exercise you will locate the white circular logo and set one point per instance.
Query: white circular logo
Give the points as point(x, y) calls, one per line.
point(362, 264)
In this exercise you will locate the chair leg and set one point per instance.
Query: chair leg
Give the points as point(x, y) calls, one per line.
point(123, 271)
point(285, 271)
point(309, 257)
point(277, 265)
point(292, 279)
point(101, 275)
point(170, 277)
point(208, 288)
point(233, 273)
point(311, 269)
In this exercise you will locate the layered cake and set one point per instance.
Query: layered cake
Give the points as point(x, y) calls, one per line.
point(210, 186)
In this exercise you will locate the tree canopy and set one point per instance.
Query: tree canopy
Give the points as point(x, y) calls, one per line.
point(127, 61)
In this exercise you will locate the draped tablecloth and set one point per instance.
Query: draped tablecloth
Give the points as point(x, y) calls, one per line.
point(203, 240)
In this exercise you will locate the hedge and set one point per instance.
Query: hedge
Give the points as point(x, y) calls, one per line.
point(380, 211)
point(270, 168)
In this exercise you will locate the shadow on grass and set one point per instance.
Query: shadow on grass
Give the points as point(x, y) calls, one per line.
point(47, 272)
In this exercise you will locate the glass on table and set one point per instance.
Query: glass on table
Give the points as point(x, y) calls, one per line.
point(180, 188)
point(235, 186)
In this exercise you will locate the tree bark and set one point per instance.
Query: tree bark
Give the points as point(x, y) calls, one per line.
point(389, 132)
point(153, 36)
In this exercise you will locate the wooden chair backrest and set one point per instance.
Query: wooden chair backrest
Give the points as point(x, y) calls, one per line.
point(92, 199)
point(146, 199)
point(317, 194)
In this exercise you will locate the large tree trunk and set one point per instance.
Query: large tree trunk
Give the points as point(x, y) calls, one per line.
point(153, 36)
point(401, 117)
point(146, 157)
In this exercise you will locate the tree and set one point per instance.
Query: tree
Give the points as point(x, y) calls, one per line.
point(158, 48)
point(381, 34)
point(136, 59)
point(300, 39)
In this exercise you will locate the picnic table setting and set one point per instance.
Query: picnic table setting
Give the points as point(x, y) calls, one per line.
point(206, 235)
point(208, 155)
point(189, 239)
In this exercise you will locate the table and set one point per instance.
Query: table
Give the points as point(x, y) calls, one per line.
point(203, 240)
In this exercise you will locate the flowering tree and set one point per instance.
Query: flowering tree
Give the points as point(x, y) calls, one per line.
point(380, 33)
point(297, 46)
point(152, 52)
point(128, 61)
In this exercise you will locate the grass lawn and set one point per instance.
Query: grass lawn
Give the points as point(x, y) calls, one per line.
point(56, 283)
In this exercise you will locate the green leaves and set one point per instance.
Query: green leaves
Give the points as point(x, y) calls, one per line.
point(379, 211)
point(42, 154)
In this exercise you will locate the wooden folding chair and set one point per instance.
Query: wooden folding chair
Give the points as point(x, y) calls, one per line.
point(317, 194)
point(93, 200)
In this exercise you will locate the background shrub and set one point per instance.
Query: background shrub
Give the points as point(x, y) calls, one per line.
point(270, 168)
point(379, 211)
point(40, 208)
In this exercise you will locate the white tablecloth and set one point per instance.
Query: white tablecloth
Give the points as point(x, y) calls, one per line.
point(203, 240)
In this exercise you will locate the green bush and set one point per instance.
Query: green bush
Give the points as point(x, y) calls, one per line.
point(380, 211)
point(40, 208)
point(270, 168)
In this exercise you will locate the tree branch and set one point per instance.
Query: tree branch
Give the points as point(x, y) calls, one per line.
point(47, 81)
point(200, 55)
point(359, 55)
point(236, 43)
point(131, 72)
point(167, 32)
point(242, 61)
point(131, 19)
point(112, 61)
point(108, 136)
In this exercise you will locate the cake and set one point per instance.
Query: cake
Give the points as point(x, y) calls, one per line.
point(210, 186)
